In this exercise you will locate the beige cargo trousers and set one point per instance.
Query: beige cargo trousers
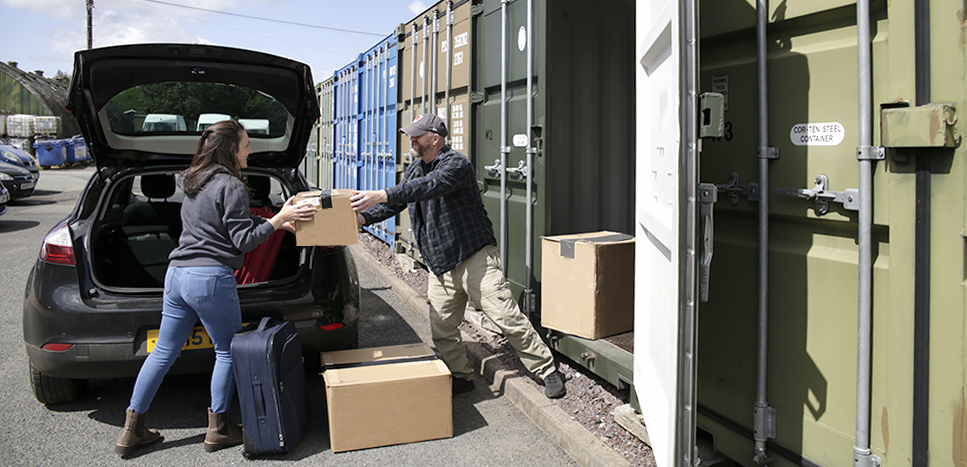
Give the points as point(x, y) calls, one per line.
point(482, 280)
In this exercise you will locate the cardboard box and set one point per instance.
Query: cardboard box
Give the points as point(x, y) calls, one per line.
point(588, 284)
point(386, 395)
point(334, 223)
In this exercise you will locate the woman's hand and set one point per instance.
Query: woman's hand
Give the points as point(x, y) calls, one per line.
point(292, 213)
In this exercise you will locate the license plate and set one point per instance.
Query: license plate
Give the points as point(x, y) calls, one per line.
point(26, 185)
point(199, 340)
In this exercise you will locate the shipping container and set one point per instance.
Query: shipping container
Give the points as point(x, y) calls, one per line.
point(365, 99)
point(824, 225)
point(318, 164)
point(435, 78)
point(556, 81)
point(345, 173)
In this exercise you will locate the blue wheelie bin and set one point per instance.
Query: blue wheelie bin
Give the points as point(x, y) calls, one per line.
point(51, 152)
point(76, 149)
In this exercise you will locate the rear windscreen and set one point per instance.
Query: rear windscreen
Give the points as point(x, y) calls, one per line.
point(190, 107)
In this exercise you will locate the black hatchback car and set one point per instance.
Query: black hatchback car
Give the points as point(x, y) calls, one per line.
point(93, 300)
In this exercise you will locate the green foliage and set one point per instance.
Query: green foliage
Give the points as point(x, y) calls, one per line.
point(62, 78)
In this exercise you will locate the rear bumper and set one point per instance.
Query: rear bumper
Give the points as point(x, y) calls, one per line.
point(123, 360)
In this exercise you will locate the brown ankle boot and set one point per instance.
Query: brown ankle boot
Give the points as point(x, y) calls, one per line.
point(134, 435)
point(222, 433)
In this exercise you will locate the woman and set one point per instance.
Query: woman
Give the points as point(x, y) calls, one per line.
point(199, 283)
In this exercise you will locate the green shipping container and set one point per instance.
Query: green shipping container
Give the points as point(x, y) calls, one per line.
point(582, 130)
point(915, 411)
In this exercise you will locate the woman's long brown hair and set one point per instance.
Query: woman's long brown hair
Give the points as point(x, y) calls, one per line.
point(218, 145)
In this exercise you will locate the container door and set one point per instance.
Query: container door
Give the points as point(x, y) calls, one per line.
point(665, 215)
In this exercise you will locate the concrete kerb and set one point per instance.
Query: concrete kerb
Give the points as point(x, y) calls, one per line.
point(579, 443)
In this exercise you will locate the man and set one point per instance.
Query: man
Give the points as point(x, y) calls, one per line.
point(456, 239)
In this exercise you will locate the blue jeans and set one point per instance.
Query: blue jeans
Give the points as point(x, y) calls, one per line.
point(205, 293)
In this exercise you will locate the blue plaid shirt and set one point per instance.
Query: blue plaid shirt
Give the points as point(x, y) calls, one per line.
point(447, 214)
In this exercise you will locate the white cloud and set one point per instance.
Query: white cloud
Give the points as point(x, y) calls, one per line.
point(417, 7)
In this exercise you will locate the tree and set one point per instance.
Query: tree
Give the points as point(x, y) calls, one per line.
point(62, 78)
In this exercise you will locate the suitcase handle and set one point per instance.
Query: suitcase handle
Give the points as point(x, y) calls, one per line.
point(266, 322)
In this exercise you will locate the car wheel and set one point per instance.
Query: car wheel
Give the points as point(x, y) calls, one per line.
point(51, 390)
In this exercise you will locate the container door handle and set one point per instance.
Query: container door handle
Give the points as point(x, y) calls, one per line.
point(707, 194)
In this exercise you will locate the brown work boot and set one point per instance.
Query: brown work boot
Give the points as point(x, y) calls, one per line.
point(135, 436)
point(222, 433)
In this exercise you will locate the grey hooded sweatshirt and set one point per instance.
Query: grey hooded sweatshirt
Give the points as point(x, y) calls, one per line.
point(217, 227)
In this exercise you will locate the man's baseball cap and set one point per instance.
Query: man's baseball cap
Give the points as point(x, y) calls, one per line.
point(425, 123)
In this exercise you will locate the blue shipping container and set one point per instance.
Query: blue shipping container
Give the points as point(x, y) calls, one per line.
point(51, 152)
point(365, 126)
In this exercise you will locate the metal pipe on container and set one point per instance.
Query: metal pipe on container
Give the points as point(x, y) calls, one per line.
point(423, 68)
point(921, 294)
point(529, 306)
point(366, 147)
point(862, 456)
point(433, 60)
point(414, 41)
point(761, 409)
point(449, 65)
point(504, 149)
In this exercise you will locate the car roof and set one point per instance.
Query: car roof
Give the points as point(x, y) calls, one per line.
point(103, 73)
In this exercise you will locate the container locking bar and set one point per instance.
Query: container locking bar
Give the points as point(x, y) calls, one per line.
point(734, 190)
point(517, 173)
point(849, 198)
point(707, 196)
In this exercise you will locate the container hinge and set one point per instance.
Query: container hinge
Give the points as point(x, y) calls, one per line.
point(849, 198)
point(530, 302)
point(770, 153)
point(870, 153)
point(764, 428)
point(707, 196)
point(734, 190)
point(476, 9)
point(865, 458)
point(477, 97)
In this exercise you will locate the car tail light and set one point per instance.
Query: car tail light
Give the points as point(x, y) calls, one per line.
point(54, 347)
point(58, 247)
point(331, 327)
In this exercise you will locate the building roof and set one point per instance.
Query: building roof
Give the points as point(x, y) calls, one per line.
point(51, 94)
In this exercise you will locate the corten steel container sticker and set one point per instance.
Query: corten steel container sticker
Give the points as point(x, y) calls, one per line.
point(583, 133)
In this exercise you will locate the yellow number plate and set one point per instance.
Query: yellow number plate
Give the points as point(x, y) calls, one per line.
point(199, 340)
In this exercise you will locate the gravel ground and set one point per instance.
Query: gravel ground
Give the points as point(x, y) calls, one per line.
point(589, 400)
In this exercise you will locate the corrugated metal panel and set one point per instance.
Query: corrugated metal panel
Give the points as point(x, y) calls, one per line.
point(377, 126)
point(448, 95)
point(317, 165)
point(346, 127)
point(32, 94)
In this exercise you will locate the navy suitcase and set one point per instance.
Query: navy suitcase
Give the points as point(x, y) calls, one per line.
point(271, 384)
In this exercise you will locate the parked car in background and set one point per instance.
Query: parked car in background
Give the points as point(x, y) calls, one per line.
point(17, 156)
point(18, 181)
point(93, 300)
point(4, 197)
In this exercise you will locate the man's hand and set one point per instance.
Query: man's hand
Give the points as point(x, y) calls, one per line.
point(363, 200)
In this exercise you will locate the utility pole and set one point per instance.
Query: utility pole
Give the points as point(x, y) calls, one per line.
point(90, 24)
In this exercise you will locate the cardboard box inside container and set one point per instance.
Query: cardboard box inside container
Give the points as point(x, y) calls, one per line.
point(587, 288)
point(386, 395)
point(335, 222)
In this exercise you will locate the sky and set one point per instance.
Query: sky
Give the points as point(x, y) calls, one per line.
point(325, 34)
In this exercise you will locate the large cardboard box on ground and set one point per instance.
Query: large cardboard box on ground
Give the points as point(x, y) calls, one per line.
point(386, 395)
point(335, 222)
point(588, 284)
